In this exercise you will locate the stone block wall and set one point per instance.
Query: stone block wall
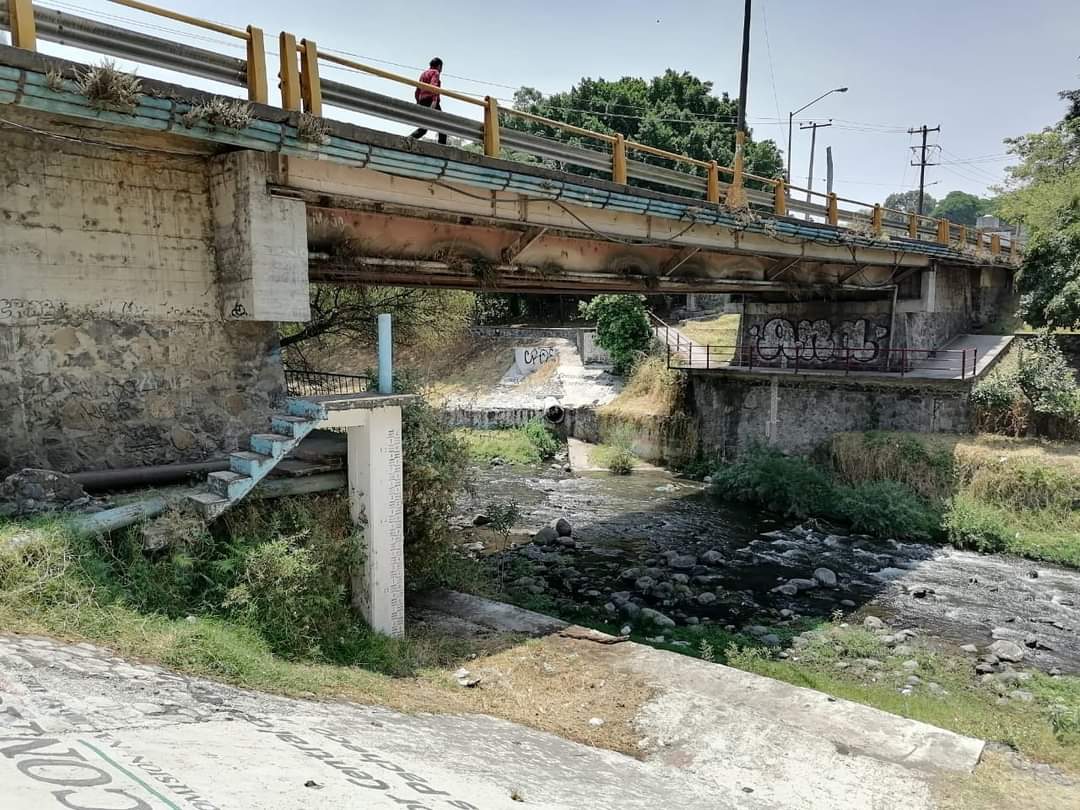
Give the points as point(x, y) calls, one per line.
point(114, 350)
point(734, 411)
point(90, 394)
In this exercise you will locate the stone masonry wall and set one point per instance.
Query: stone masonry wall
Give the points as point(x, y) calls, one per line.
point(113, 348)
point(734, 411)
point(95, 394)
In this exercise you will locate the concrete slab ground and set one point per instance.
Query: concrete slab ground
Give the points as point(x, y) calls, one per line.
point(580, 454)
point(82, 728)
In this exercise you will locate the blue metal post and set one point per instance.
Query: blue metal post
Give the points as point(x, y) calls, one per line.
point(386, 356)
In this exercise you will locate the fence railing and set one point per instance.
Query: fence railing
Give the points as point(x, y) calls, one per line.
point(670, 336)
point(302, 89)
point(301, 382)
point(802, 358)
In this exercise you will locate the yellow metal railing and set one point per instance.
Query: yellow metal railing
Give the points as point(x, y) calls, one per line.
point(301, 89)
point(252, 36)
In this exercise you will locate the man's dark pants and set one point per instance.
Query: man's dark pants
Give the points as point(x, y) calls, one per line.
point(434, 103)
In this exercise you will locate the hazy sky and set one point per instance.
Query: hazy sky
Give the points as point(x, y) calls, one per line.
point(982, 69)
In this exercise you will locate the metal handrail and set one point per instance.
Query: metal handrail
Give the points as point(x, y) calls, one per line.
point(964, 361)
point(302, 382)
point(301, 85)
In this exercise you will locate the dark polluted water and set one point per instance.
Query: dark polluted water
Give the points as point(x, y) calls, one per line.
point(653, 541)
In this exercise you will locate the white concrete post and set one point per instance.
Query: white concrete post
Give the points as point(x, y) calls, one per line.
point(375, 498)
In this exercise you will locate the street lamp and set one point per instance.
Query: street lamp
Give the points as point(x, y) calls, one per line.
point(791, 118)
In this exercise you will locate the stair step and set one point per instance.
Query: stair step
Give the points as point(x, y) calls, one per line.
point(305, 408)
point(272, 444)
point(208, 504)
point(229, 484)
point(295, 426)
point(255, 465)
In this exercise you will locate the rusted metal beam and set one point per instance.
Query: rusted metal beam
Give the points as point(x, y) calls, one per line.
point(678, 260)
point(524, 241)
point(324, 268)
point(774, 274)
point(851, 274)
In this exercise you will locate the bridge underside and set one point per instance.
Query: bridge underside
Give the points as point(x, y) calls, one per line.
point(378, 244)
point(368, 227)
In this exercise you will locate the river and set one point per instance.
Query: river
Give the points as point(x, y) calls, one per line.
point(660, 542)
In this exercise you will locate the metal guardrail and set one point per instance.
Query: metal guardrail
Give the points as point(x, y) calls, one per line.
point(301, 88)
point(801, 358)
point(301, 382)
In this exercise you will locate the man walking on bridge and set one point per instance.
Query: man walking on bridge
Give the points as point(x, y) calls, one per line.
point(429, 98)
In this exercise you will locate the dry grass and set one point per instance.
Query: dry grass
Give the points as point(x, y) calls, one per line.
point(653, 390)
point(998, 782)
point(108, 88)
point(556, 685)
point(720, 331)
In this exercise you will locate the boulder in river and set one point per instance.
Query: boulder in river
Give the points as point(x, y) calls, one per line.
point(657, 618)
point(545, 536)
point(563, 527)
point(1007, 650)
point(825, 577)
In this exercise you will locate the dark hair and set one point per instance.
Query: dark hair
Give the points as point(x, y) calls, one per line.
point(435, 63)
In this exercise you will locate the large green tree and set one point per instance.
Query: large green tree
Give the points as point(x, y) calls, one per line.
point(677, 112)
point(908, 202)
point(961, 208)
point(1043, 194)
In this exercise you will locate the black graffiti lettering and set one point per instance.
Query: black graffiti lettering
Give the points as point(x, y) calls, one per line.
point(290, 738)
point(418, 784)
point(37, 769)
point(62, 796)
point(410, 804)
point(34, 743)
point(375, 784)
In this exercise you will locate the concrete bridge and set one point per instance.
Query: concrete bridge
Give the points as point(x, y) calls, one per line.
point(148, 249)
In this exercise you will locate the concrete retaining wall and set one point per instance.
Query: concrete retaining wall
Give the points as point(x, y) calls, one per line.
point(118, 346)
point(734, 411)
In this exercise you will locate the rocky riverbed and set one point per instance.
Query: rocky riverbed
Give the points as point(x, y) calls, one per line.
point(658, 552)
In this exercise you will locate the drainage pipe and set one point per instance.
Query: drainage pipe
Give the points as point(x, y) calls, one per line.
point(127, 477)
point(553, 411)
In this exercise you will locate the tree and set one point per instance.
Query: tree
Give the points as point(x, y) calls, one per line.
point(1043, 193)
point(961, 208)
point(350, 314)
point(676, 112)
point(622, 327)
point(908, 202)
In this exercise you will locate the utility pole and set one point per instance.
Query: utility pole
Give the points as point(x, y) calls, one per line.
point(813, 126)
point(922, 164)
point(828, 169)
point(736, 193)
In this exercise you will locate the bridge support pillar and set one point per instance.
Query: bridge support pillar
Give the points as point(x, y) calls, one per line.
point(375, 501)
point(260, 243)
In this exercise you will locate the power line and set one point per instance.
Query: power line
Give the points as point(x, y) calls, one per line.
point(922, 164)
point(768, 50)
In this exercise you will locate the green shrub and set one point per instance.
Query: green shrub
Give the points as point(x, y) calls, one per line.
point(926, 468)
point(622, 327)
point(435, 464)
point(970, 523)
point(617, 451)
point(788, 485)
point(619, 460)
point(887, 508)
point(1024, 486)
point(542, 438)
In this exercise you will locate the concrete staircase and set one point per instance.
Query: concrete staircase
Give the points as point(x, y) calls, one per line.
point(248, 467)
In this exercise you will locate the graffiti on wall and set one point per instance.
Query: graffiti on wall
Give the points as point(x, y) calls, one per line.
point(777, 340)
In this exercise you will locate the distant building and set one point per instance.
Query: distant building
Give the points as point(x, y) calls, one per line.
point(991, 224)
